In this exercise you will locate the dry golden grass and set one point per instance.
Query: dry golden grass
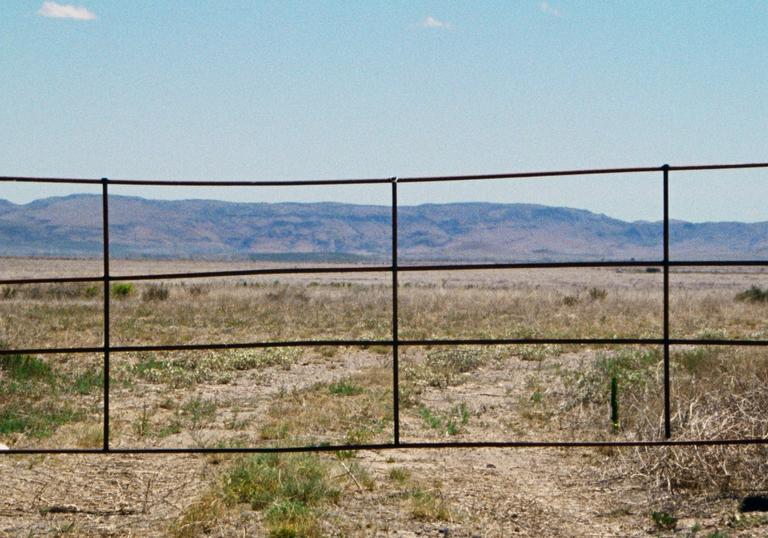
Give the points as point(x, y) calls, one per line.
point(296, 396)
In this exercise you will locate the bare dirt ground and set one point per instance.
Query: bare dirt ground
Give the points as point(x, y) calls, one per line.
point(293, 397)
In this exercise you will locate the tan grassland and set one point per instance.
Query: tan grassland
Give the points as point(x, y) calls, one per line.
point(305, 396)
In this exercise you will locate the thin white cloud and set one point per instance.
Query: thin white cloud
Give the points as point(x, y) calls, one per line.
point(431, 22)
point(66, 11)
point(549, 9)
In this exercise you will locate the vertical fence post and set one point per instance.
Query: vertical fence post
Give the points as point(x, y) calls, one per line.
point(395, 335)
point(105, 225)
point(667, 420)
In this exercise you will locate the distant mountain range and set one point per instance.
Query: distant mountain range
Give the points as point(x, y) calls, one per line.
point(139, 228)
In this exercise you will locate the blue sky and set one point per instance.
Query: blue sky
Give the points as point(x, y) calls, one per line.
point(288, 90)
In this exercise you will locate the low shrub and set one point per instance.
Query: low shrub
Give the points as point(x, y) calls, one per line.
point(121, 290)
point(155, 292)
point(598, 294)
point(754, 294)
point(443, 368)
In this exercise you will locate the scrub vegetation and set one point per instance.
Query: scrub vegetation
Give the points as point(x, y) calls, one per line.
point(294, 396)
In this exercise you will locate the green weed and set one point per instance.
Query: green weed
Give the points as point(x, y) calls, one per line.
point(37, 421)
point(121, 290)
point(451, 423)
point(199, 411)
point(664, 520)
point(25, 368)
point(88, 381)
point(288, 489)
point(24, 404)
point(345, 388)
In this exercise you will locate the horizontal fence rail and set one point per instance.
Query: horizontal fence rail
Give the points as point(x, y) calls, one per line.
point(395, 342)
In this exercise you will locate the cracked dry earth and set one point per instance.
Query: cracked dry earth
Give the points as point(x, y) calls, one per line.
point(490, 492)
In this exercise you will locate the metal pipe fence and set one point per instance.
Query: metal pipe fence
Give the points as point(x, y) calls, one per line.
point(394, 342)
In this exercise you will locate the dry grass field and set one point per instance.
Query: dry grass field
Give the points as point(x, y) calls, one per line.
point(298, 396)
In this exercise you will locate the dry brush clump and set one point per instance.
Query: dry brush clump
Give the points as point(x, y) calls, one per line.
point(718, 393)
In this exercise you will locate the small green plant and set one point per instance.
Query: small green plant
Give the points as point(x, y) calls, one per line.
point(433, 421)
point(121, 290)
point(345, 388)
point(88, 381)
point(287, 518)
point(451, 423)
point(664, 520)
point(199, 411)
point(25, 408)
point(91, 291)
point(754, 294)
point(171, 428)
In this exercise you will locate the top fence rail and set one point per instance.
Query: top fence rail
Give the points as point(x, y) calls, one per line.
point(374, 181)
